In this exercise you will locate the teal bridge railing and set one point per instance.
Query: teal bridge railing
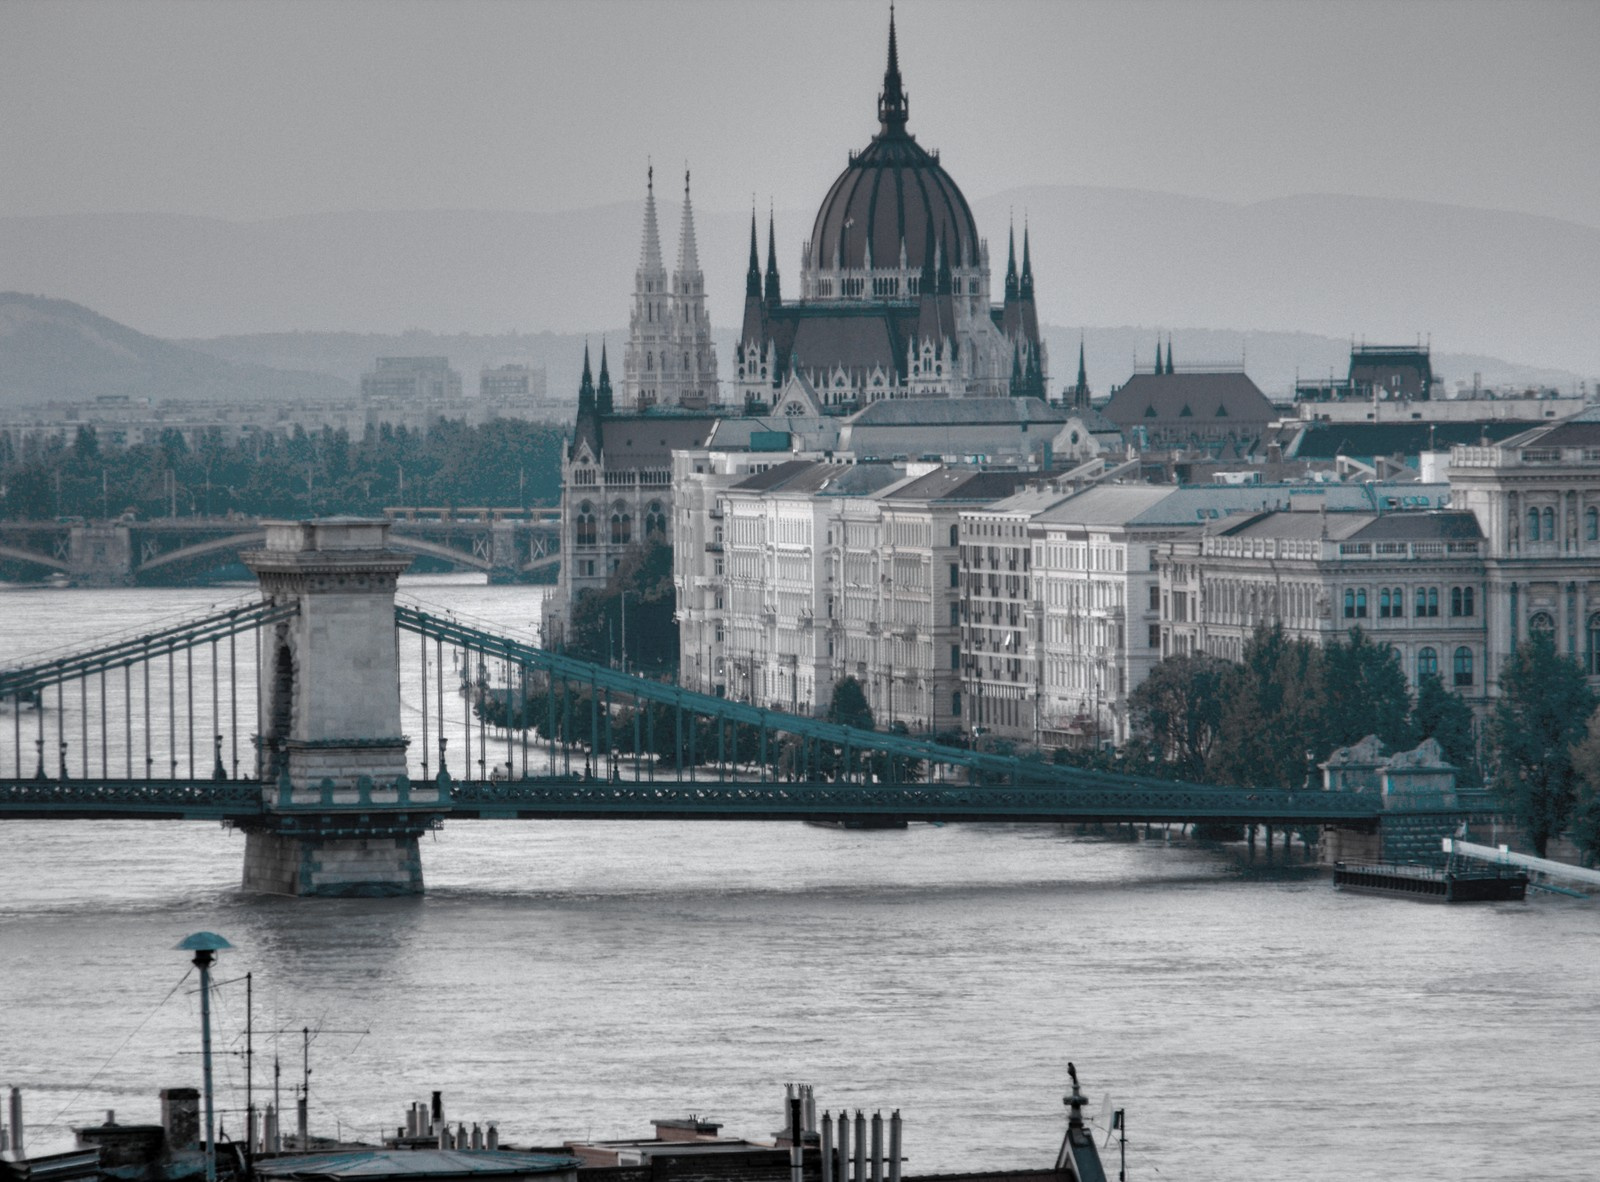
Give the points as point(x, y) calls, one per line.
point(612, 745)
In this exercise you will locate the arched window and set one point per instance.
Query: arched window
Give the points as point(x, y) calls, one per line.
point(1349, 604)
point(655, 521)
point(621, 529)
point(1463, 666)
point(587, 535)
point(1591, 524)
point(1549, 524)
point(1399, 602)
point(1455, 601)
point(1541, 622)
point(1427, 663)
point(1433, 601)
point(649, 362)
point(1533, 525)
point(1594, 645)
point(1361, 603)
point(1383, 604)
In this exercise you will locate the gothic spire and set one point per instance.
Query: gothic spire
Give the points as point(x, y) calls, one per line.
point(1080, 392)
point(688, 254)
point(945, 284)
point(650, 252)
point(1169, 354)
point(603, 399)
point(774, 293)
point(1158, 356)
point(586, 386)
point(893, 107)
point(1011, 264)
point(752, 276)
point(1027, 265)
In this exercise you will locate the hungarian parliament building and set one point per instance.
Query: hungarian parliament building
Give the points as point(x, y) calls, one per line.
point(889, 491)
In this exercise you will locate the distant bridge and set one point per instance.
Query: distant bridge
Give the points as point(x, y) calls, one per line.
point(509, 545)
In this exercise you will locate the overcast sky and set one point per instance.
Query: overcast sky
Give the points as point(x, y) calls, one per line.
point(260, 109)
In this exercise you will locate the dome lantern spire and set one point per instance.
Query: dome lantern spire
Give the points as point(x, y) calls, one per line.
point(893, 107)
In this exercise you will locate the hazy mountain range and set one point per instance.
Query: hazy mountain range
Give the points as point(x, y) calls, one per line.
point(1287, 283)
point(58, 351)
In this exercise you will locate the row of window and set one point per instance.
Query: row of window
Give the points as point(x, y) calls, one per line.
point(1542, 524)
point(1392, 602)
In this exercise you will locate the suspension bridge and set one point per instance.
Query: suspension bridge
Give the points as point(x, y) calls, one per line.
point(283, 717)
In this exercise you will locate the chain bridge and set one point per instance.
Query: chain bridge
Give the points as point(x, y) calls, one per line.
point(334, 726)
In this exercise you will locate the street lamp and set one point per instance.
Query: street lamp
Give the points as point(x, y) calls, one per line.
point(205, 946)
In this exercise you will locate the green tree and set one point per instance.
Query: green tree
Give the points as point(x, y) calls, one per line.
point(1272, 714)
point(1442, 715)
point(1178, 710)
point(642, 586)
point(849, 707)
point(1544, 705)
point(1365, 693)
point(1586, 812)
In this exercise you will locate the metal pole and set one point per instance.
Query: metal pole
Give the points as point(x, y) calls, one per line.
point(105, 757)
point(233, 703)
point(894, 1146)
point(203, 958)
point(172, 715)
point(422, 643)
point(844, 1145)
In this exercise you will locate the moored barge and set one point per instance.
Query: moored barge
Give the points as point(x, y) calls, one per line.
point(1437, 884)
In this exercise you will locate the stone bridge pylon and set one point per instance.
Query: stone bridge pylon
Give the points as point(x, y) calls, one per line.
point(341, 817)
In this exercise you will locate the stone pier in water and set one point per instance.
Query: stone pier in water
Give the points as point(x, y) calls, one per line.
point(342, 817)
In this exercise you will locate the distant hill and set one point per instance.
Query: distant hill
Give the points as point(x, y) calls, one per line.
point(53, 350)
point(1518, 287)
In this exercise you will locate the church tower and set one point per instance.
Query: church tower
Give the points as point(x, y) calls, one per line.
point(648, 324)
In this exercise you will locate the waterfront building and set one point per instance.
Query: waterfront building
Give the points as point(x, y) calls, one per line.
point(1414, 581)
point(1097, 607)
point(1536, 497)
point(616, 489)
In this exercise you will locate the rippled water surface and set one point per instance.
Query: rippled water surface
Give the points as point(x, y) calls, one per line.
point(574, 978)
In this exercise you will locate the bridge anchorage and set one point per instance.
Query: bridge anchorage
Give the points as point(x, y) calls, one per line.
point(335, 762)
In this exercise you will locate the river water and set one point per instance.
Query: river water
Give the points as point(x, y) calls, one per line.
point(575, 979)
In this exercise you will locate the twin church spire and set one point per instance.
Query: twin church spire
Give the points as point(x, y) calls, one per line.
point(669, 359)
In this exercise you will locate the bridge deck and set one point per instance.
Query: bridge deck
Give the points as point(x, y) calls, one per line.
point(564, 798)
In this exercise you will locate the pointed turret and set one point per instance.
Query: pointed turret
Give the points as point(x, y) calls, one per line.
point(586, 385)
point(893, 107)
point(1011, 266)
point(1026, 285)
point(650, 250)
point(688, 252)
point(642, 359)
point(1158, 356)
point(774, 294)
point(587, 427)
point(1169, 354)
point(752, 275)
point(1079, 395)
point(602, 394)
point(691, 360)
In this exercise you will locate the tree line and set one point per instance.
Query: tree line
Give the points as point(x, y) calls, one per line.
point(507, 462)
point(1268, 720)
